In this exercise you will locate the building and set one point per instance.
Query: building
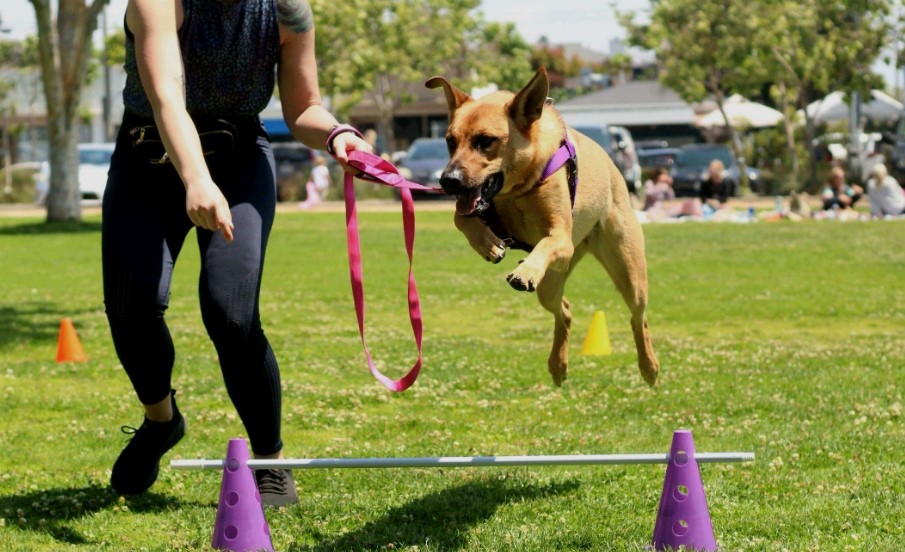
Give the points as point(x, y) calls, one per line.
point(648, 109)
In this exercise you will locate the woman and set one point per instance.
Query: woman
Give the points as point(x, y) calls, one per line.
point(658, 189)
point(885, 194)
point(191, 152)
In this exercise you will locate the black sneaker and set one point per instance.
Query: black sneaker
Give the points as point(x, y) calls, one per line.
point(276, 487)
point(136, 468)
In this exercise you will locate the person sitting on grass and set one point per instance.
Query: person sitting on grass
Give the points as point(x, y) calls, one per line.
point(839, 195)
point(885, 194)
point(716, 189)
point(658, 191)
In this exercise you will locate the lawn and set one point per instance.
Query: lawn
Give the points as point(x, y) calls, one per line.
point(779, 338)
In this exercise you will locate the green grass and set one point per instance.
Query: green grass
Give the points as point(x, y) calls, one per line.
point(782, 339)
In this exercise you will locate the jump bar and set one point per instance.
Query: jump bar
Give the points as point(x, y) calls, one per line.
point(463, 461)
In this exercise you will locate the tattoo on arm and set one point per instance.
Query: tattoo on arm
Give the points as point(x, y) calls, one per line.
point(296, 15)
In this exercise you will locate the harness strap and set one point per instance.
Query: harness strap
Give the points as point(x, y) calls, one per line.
point(565, 155)
point(376, 169)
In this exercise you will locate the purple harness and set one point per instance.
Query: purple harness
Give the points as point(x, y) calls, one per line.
point(565, 155)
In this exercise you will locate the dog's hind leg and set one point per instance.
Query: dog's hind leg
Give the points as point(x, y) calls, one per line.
point(550, 295)
point(620, 249)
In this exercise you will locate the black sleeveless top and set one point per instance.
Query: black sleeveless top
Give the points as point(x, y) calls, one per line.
point(229, 53)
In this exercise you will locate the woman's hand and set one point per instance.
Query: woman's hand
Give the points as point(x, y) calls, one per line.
point(208, 209)
point(348, 142)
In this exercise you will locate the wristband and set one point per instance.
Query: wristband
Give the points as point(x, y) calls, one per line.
point(337, 130)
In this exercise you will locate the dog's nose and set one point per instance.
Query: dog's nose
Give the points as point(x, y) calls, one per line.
point(451, 181)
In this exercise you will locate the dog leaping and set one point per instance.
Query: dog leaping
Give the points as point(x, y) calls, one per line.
point(512, 192)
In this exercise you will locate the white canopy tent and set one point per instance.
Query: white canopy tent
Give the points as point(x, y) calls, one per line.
point(742, 113)
point(835, 107)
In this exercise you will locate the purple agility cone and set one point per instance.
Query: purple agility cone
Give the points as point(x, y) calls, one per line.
point(240, 524)
point(683, 518)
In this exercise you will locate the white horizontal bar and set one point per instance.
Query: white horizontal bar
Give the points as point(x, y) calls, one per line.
point(463, 461)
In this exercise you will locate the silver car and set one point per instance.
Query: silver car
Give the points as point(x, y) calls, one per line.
point(624, 148)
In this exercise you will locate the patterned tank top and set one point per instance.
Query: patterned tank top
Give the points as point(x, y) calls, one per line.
point(229, 51)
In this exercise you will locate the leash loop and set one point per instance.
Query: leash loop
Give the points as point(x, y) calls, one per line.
point(379, 170)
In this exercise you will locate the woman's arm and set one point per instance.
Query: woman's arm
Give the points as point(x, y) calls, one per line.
point(154, 24)
point(303, 110)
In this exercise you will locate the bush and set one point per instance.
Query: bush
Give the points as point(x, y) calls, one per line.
point(22, 189)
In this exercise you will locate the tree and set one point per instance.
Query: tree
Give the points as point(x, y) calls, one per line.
point(383, 46)
point(64, 49)
point(554, 60)
point(8, 55)
point(704, 47)
point(798, 49)
point(619, 65)
point(816, 47)
point(500, 55)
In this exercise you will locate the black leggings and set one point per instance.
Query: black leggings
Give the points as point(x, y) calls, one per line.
point(144, 227)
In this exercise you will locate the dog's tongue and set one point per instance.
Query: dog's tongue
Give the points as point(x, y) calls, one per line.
point(468, 202)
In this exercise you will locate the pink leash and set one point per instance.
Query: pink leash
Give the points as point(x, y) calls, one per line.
point(377, 169)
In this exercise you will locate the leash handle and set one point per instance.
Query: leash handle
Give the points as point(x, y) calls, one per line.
point(379, 170)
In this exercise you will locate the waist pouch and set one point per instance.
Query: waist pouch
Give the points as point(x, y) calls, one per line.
point(218, 137)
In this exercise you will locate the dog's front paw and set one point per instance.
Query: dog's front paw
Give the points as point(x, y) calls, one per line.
point(525, 277)
point(494, 252)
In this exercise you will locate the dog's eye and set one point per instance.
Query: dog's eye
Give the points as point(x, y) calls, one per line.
point(451, 144)
point(483, 142)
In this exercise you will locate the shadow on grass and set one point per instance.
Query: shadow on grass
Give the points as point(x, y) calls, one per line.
point(44, 228)
point(33, 321)
point(443, 517)
point(54, 511)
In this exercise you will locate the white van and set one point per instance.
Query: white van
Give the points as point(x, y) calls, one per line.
point(94, 163)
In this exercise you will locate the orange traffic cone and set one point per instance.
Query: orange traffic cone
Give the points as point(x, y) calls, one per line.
point(69, 348)
point(597, 342)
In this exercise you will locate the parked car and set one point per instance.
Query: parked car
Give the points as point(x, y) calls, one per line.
point(651, 144)
point(624, 146)
point(423, 163)
point(293, 162)
point(692, 167)
point(605, 139)
point(94, 164)
point(657, 157)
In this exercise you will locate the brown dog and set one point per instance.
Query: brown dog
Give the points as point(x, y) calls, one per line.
point(499, 148)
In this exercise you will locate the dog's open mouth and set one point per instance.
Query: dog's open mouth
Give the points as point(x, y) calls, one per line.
point(475, 201)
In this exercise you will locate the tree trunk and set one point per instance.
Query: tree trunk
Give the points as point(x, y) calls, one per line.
point(736, 144)
point(64, 198)
point(810, 129)
point(790, 133)
point(64, 49)
point(385, 109)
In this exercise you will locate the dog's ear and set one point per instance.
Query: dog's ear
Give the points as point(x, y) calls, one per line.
point(528, 104)
point(454, 97)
